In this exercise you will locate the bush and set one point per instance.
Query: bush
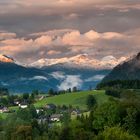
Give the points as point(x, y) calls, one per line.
point(115, 133)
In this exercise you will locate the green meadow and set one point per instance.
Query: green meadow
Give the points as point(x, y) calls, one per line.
point(74, 99)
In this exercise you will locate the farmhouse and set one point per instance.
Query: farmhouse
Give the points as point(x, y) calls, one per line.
point(4, 109)
point(16, 102)
point(76, 112)
point(43, 119)
point(56, 117)
point(50, 106)
point(23, 105)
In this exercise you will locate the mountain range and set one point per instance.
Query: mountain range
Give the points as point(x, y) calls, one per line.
point(60, 74)
point(81, 60)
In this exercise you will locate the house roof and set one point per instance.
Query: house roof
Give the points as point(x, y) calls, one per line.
point(3, 107)
point(23, 104)
point(51, 105)
point(56, 115)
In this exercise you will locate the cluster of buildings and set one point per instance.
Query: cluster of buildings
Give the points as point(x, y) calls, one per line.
point(55, 117)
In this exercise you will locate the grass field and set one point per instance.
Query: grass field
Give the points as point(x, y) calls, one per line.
point(74, 99)
point(3, 115)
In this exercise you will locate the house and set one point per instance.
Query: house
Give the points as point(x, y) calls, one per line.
point(56, 117)
point(37, 111)
point(41, 98)
point(23, 105)
point(50, 106)
point(75, 112)
point(16, 102)
point(43, 119)
point(4, 109)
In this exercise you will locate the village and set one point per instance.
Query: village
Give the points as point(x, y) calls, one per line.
point(49, 113)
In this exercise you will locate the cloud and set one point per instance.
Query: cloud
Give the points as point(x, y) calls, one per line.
point(95, 78)
point(53, 52)
point(39, 78)
point(71, 16)
point(6, 35)
point(58, 75)
point(30, 16)
point(4, 84)
point(68, 42)
point(75, 38)
point(111, 35)
point(43, 40)
point(92, 35)
point(30, 30)
point(70, 82)
point(34, 78)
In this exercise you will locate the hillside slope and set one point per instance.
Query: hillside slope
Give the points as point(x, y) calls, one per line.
point(129, 70)
point(74, 99)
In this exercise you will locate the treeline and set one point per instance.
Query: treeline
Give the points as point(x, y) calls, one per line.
point(3, 91)
point(113, 92)
point(52, 92)
point(7, 99)
point(120, 84)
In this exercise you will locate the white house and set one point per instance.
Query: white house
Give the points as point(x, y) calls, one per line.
point(22, 105)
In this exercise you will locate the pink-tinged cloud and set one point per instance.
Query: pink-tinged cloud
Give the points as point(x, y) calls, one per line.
point(75, 38)
point(61, 43)
point(110, 35)
point(92, 35)
point(6, 35)
point(43, 40)
point(53, 52)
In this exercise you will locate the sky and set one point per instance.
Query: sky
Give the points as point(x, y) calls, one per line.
point(32, 29)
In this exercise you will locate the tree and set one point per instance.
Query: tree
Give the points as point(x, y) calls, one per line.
point(65, 134)
point(25, 96)
point(115, 133)
point(3, 101)
point(35, 92)
point(130, 120)
point(89, 122)
point(11, 99)
point(22, 133)
point(91, 101)
point(69, 90)
point(33, 111)
point(106, 115)
point(24, 114)
point(66, 118)
point(75, 89)
point(4, 91)
point(51, 92)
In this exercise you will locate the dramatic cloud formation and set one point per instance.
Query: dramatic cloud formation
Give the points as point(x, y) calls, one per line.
point(103, 15)
point(66, 43)
point(30, 30)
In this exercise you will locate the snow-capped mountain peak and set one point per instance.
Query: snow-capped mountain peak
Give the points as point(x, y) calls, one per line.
point(6, 59)
point(81, 60)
